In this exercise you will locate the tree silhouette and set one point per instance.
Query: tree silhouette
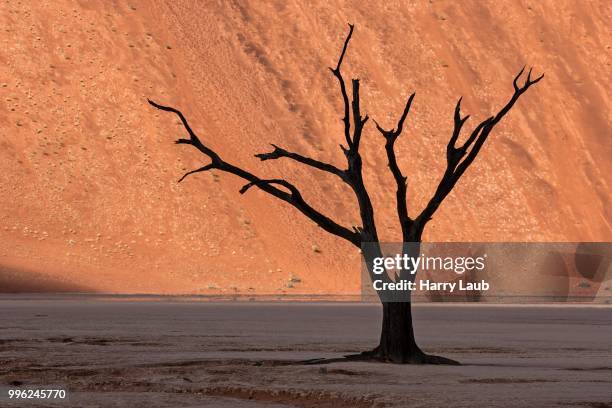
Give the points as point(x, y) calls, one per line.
point(397, 342)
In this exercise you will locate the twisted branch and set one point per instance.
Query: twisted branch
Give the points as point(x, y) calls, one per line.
point(400, 180)
point(293, 197)
point(279, 152)
point(458, 159)
point(345, 99)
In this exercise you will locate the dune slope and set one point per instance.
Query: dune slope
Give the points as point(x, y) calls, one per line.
point(88, 173)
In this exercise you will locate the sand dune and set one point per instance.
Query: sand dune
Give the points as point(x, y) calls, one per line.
point(88, 171)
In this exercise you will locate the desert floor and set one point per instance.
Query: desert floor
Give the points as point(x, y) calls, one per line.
point(139, 353)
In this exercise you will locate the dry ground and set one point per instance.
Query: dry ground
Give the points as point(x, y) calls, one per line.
point(111, 353)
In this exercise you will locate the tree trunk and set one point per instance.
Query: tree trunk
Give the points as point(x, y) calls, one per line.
point(397, 343)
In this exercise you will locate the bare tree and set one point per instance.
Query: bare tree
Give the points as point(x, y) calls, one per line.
point(397, 342)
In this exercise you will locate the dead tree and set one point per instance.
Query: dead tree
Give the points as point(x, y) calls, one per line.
point(397, 343)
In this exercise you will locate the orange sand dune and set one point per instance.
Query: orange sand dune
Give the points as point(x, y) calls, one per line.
point(88, 171)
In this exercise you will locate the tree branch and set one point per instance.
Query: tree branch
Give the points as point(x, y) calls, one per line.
point(201, 169)
point(294, 191)
point(293, 197)
point(345, 99)
point(459, 122)
point(358, 121)
point(353, 172)
point(460, 158)
point(279, 152)
point(400, 180)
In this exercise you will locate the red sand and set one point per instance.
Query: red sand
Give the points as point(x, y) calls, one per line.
point(88, 192)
